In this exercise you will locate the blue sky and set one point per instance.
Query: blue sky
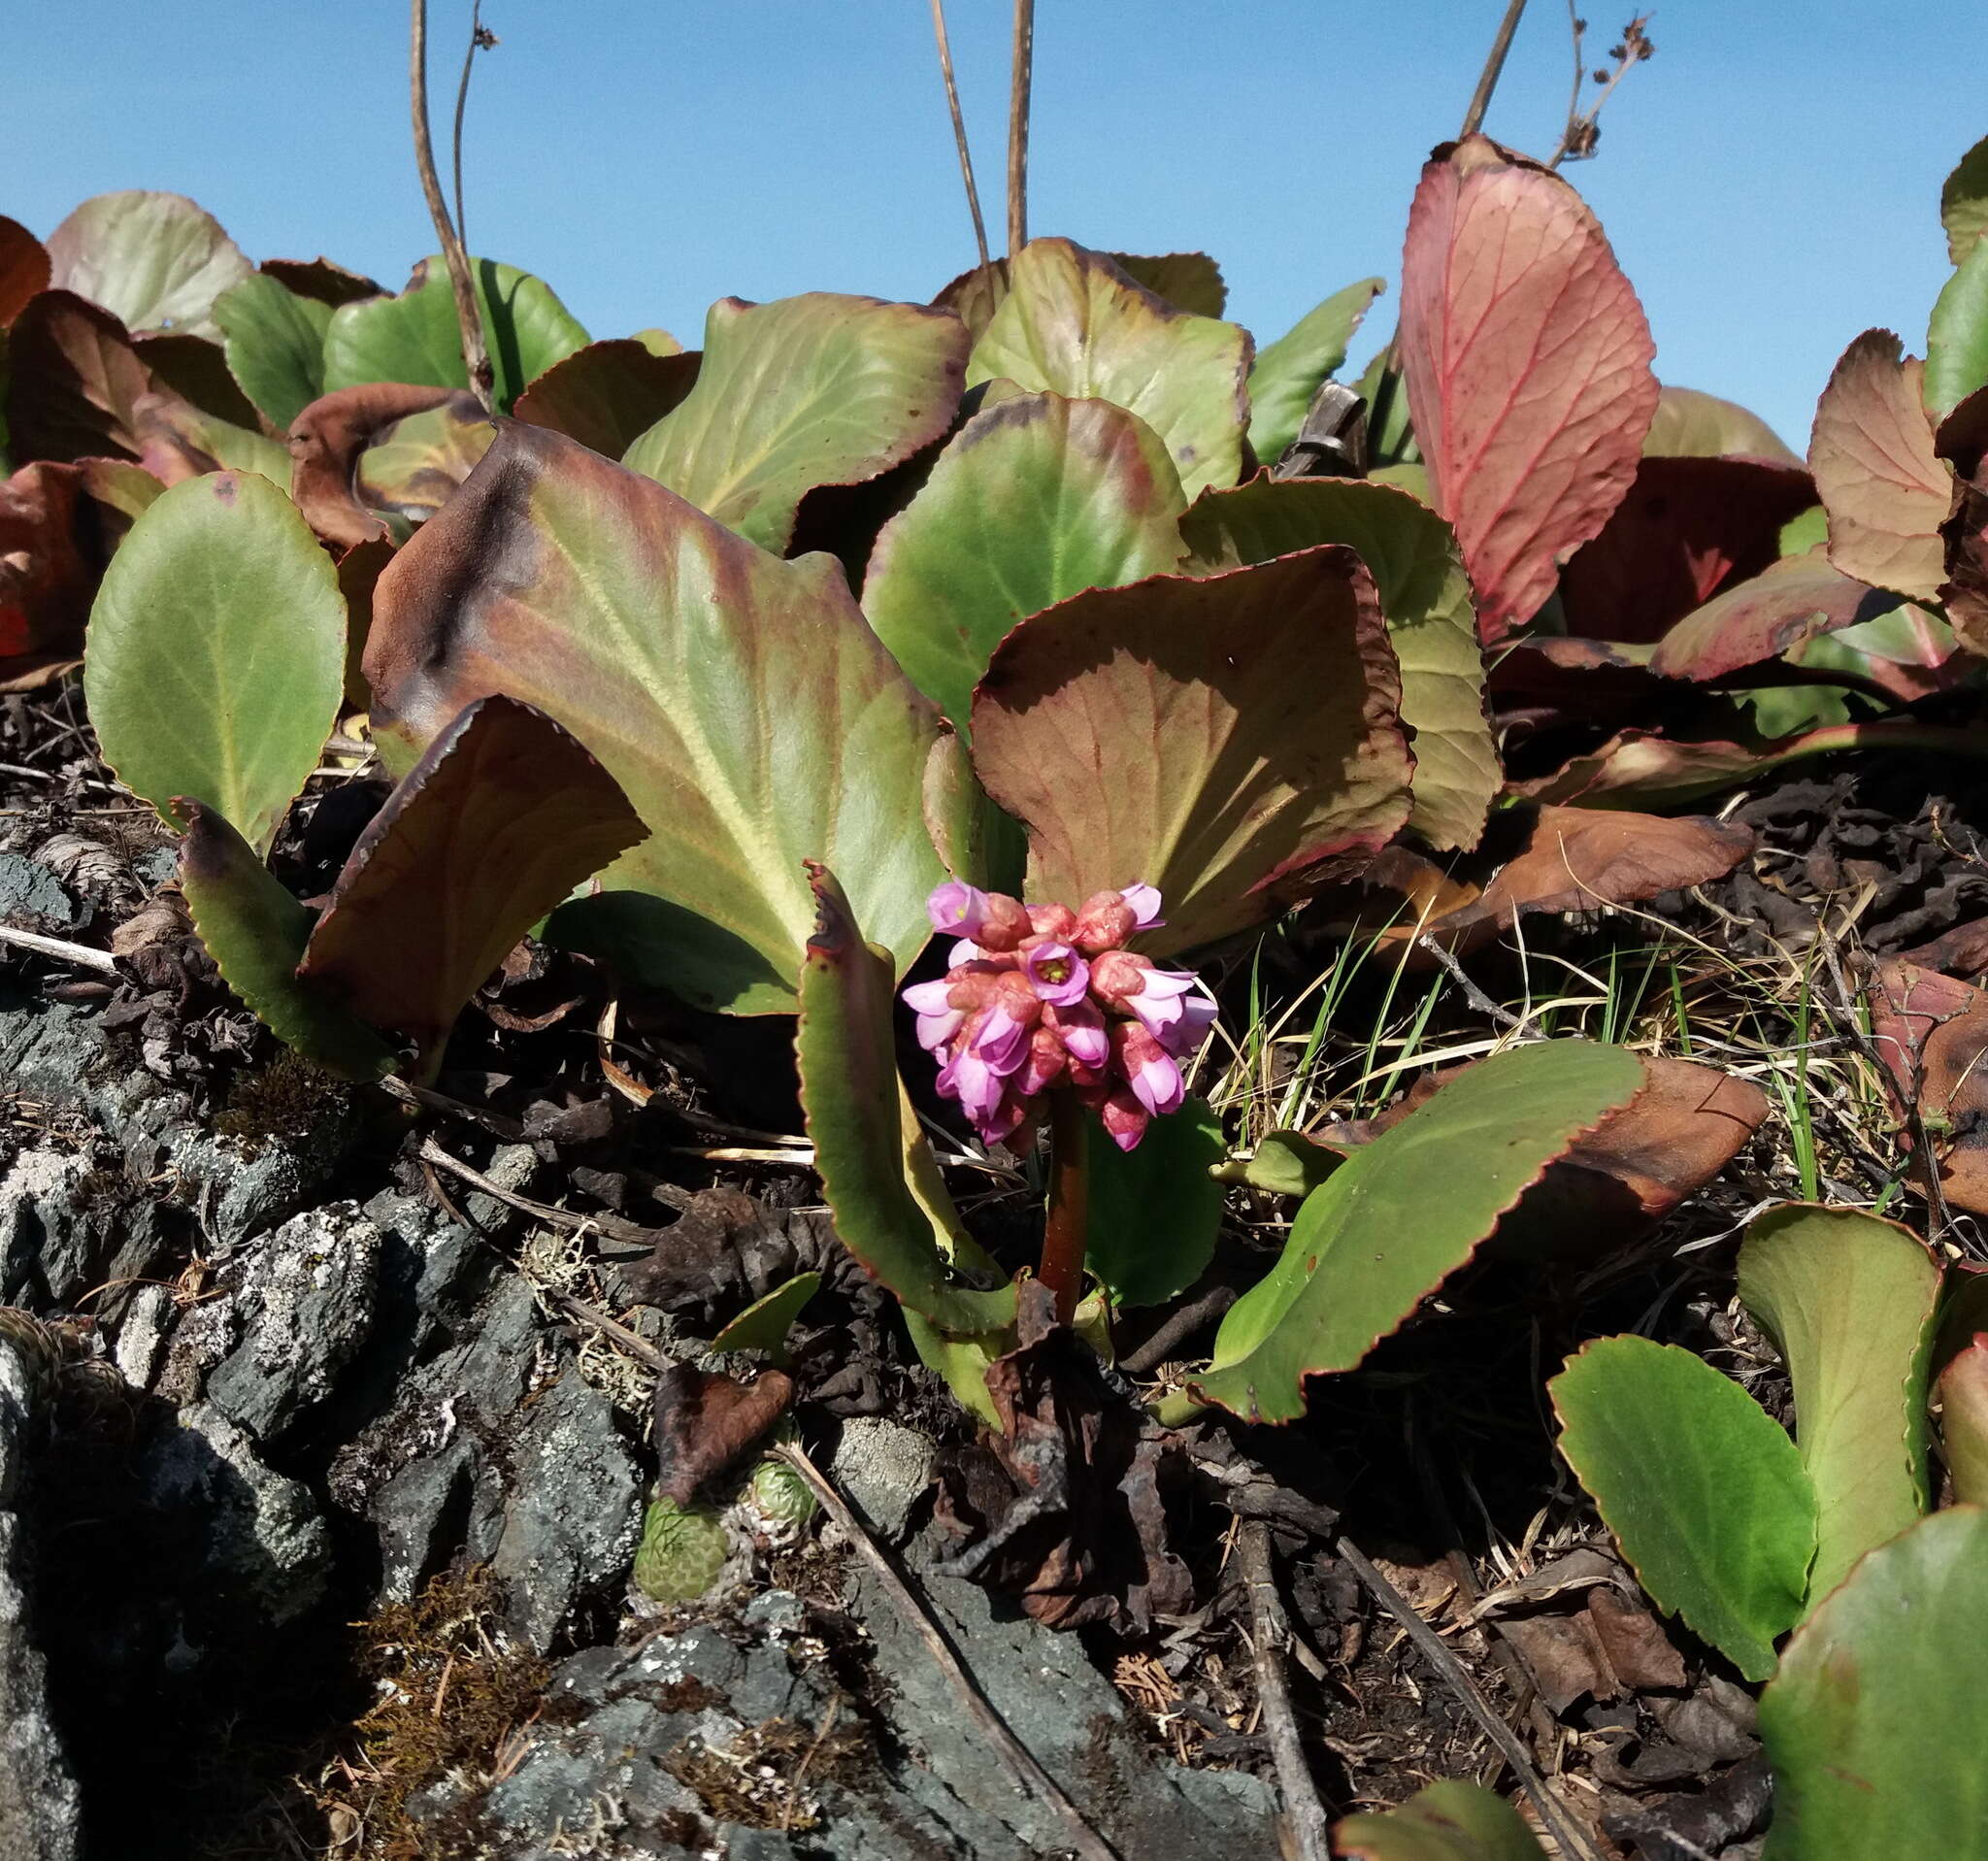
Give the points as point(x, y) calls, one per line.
point(1770, 179)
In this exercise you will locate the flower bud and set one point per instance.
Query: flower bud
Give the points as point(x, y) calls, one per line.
point(1053, 920)
point(1116, 976)
point(1003, 924)
point(1103, 923)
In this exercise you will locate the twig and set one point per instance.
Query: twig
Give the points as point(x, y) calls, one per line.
point(1271, 1632)
point(1494, 64)
point(614, 1226)
point(1474, 995)
point(1080, 1838)
point(633, 1342)
point(482, 38)
point(1178, 1329)
point(80, 954)
point(1019, 125)
point(1437, 1652)
point(959, 129)
point(1578, 27)
point(476, 351)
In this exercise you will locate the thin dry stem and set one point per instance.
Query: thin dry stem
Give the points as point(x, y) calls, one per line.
point(482, 38)
point(959, 130)
point(1494, 66)
point(1269, 1632)
point(475, 349)
point(1579, 138)
point(1019, 125)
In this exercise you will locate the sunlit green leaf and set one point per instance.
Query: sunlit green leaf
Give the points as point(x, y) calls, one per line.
point(158, 261)
point(1288, 371)
point(275, 340)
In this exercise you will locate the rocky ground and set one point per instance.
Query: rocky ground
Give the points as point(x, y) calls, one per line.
point(328, 1422)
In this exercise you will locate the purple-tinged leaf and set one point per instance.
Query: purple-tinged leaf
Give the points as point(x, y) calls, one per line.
point(609, 394)
point(1232, 739)
point(1885, 489)
point(1527, 361)
point(75, 382)
point(1783, 606)
point(504, 815)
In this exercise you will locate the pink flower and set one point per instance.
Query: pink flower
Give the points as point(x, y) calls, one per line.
point(957, 909)
point(1082, 1031)
point(1147, 1067)
point(1144, 901)
point(1123, 1118)
point(1057, 973)
point(938, 1019)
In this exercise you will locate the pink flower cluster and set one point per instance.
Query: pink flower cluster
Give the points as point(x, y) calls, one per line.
point(1040, 996)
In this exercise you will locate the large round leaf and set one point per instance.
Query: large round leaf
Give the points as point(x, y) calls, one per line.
point(810, 390)
point(1034, 500)
point(75, 382)
point(1232, 740)
point(416, 336)
point(746, 709)
point(1154, 1210)
point(1848, 1299)
point(1425, 598)
point(1957, 335)
point(1876, 1722)
point(1701, 1487)
point(1074, 325)
point(158, 261)
point(1527, 361)
point(275, 340)
point(214, 662)
point(1692, 424)
point(1402, 1212)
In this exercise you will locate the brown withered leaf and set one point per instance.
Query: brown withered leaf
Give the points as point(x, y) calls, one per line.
point(609, 394)
point(1963, 442)
point(1544, 858)
point(723, 1250)
point(326, 440)
point(1081, 1535)
point(1686, 528)
point(320, 278)
point(410, 468)
point(1605, 1650)
point(1962, 951)
point(502, 816)
point(23, 268)
point(707, 1423)
point(1931, 1033)
point(1789, 603)
point(51, 554)
point(75, 379)
point(1885, 489)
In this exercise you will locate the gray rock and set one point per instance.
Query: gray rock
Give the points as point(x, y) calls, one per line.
point(141, 1335)
point(307, 1300)
point(32, 898)
point(574, 1515)
point(262, 1544)
point(881, 1468)
point(39, 1810)
point(46, 1242)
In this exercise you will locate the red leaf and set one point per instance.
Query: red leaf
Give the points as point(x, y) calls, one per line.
point(1785, 606)
point(1527, 362)
point(1932, 1032)
point(23, 268)
point(707, 1422)
point(502, 816)
point(1687, 528)
point(75, 380)
point(1885, 490)
point(607, 394)
point(326, 440)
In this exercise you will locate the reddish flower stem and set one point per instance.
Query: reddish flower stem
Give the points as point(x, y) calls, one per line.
point(1063, 1235)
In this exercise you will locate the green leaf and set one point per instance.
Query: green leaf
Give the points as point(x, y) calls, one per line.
point(1034, 500)
point(158, 261)
point(678, 654)
point(274, 343)
point(1288, 373)
point(1876, 1722)
point(255, 932)
point(1191, 282)
point(416, 338)
point(410, 468)
point(178, 441)
point(1402, 1212)
point(1154, 1211)
point(1701, 1487)
point(1444, 1822)
point(1074, 325)
point(845, 1048)
point(1964, 202)
point(1283, 1163)
point(810, 390)
point(504, 815)
point(1425, 598)
point(1690, 424)
point(1848, 1301)
point(1390, 435)
point(764, 1324)
point(215, 656)
point(1231, 739)
point(1957, 337)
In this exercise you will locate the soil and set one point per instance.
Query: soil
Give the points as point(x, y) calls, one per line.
point(334, 1479)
